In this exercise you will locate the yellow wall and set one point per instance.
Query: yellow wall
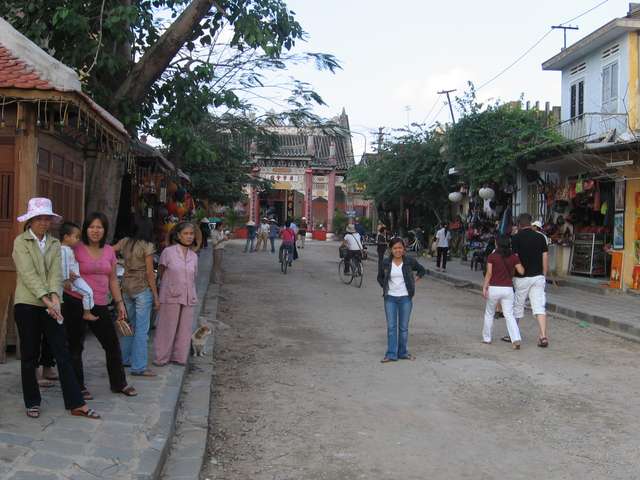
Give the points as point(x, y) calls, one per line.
point(633, 80)
point(633, 187)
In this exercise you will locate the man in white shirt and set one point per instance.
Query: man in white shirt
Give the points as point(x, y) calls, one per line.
point(443, 237)
point(263, 235)
point(353, 242)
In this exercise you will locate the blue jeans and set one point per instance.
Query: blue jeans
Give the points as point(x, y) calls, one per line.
point(249, 245)
point(134, 349)
point(398, 311)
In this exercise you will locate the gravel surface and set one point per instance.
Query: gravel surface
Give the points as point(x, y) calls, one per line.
point(300, 393)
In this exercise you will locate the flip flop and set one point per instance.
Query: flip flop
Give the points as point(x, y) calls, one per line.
point(89, 413)
point(408, 357)
point(146, 373)
point(45, 383)
point(33, 412)
point(506, 338)
point(387, 360)
point(128, 391)
point(543, 342)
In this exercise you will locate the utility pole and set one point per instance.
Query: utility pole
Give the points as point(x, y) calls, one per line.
point(447, 92)
point(564, 30)
point(380, 138)
point(407, 109)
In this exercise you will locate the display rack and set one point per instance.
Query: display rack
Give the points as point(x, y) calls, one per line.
point(588, 256)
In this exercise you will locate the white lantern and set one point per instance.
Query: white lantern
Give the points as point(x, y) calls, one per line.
point(455, 197)
point(486, 193)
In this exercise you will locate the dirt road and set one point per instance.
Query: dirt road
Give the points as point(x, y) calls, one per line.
point(300, 392)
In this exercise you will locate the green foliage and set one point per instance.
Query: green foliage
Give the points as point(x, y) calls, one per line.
point(408, 170)
point(340, 221)
point(232, 219)
point(489, 143)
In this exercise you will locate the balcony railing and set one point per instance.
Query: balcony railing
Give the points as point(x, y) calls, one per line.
point(592, 127)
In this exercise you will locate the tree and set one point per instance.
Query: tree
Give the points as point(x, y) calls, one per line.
point(489, 144)
point(409, 171)
point(137, 56)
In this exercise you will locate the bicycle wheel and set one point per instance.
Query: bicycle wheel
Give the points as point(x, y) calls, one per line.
point(346, 278)
point(357, 270)
point(284, 263)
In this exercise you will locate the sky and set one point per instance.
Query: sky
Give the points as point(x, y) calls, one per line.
point(399, 54)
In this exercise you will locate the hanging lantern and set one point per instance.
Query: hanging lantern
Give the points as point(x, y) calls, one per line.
point(486, 193)
point(455, 197)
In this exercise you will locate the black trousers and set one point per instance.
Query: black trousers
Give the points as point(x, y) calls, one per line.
point(34, 322)
point(443, 252)
point(382, 249)
point(351, 254)
point(46, 357)
point(105, 332)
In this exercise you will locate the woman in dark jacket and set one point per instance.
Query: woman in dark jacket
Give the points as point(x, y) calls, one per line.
point(382, 244)
point(398, 285)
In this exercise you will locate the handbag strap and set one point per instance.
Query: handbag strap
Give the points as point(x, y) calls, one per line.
point(357, 241)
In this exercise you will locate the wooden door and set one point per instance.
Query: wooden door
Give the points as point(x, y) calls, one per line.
point(7, 200)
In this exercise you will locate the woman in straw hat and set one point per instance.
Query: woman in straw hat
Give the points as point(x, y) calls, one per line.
point(38, 261)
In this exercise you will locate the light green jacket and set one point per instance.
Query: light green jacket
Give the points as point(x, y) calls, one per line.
point(38, 274)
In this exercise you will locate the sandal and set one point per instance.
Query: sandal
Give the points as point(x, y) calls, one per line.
point(387, 360)
point(408, 357)
point(506, 338)
point(33, 412)
point(516, 345)
point(88, 413)
point(128, 391)
point(543, 342)
point(145, 373)
point(86, 394)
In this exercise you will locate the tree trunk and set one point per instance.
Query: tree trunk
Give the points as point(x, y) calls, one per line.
point(103, 185)
point(155, 60)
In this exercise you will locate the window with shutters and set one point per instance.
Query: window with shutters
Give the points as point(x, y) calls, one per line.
point(610, 88)
point(62, 180)
point(577, 99)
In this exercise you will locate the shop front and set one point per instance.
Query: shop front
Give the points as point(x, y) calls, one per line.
point(590, 215)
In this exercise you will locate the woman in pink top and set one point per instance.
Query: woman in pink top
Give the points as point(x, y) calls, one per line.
point(178, 271)
point(97, 263)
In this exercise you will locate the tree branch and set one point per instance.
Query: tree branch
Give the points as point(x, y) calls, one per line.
point(157, 58)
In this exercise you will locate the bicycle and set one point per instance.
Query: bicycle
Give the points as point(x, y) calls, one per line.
point(355, 274)
point(285, 260)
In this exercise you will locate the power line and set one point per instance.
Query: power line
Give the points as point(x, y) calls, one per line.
point(433, 107)
point(538, 42)
point(584, 13)
point(504, 70)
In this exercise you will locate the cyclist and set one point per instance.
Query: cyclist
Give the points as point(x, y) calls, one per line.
point(353, 242)
point(288, 240)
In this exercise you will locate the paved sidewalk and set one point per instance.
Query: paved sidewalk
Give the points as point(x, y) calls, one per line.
point(618, 312)
point(130, 442)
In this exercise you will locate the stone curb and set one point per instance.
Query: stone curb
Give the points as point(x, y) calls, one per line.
point(188, 449)
point(552, 307)
point(150, 467)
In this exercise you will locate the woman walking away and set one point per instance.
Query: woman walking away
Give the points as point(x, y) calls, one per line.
point(382, 244)
point(443, 237)
point(218, 239)
point(178, 271)
point(398, 285)
point(139, 293)
point(97, 262)
point(498, 288)
point(38, 261)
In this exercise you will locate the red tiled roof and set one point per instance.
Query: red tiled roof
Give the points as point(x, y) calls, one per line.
point(14, 73)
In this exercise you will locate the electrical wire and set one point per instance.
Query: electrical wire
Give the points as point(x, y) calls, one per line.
point(433, 107)
point(584, 13)
point(538, 42)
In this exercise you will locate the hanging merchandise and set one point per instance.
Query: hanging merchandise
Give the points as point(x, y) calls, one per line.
point(604, 208)
point(597, 201)
point(588, 185)
point(180, 193)
point(172, 188)
point(579, 185)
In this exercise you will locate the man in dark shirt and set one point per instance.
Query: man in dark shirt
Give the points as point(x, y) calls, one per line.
point(533, 251)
